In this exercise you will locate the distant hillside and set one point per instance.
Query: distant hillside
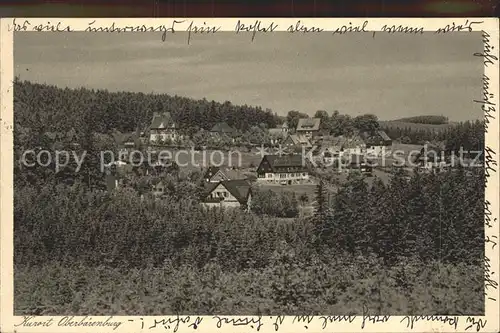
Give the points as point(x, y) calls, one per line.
point(428, 119)
point(50, 108)
point(413, 126)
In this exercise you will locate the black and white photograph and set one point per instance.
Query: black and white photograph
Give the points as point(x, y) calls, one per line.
point(277, 174)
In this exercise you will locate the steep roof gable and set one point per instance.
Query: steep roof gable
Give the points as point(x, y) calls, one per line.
point(308, 124)
point(239, 188)
point(162, 121)
point(299, 139)
point(376, 138)
point(222, 127)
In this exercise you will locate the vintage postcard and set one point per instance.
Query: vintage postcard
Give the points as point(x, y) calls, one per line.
point(249, 175)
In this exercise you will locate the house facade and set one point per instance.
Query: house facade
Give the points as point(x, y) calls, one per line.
point(359, 163)
point(158, 188)
point(163, 128)
point(309, 127)
point(431, 158)
point(228, 194)
point(339, 146)
point(377, 143)
point(129, 143)
point(279, 134)
point(284, 170)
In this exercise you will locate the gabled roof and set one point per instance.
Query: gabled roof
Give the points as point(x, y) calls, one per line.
point(376, 138)
point(342, 142)
point(71, 134)
point(308, 124)
point(211, 171)
point(277, 161)
point(162, 121)
point(132, 138)
point(222, 127)
point(229, 173)
point(299, 139)
point(384, 135)
point(239, 188)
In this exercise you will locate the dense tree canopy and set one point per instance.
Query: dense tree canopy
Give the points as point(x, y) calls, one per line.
point(49, 108)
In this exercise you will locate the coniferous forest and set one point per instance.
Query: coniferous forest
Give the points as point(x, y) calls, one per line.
point(412, 245)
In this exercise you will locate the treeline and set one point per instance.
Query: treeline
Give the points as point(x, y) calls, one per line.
point(49, 108)
point(431, 119)
point(468, 134)
point(431, 216)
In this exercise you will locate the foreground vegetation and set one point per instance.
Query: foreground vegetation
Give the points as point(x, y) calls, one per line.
point(325, 285)
point(405, 248)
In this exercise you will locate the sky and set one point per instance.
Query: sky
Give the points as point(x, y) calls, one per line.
point(391, 76)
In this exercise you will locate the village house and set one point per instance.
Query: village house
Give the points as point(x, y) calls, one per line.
point(222, 128)
point(228, 194)
point(158, 188)
point(284, 170)
point(127, 144)
point(309, 127)
point(163, 128)
point(377, 143)
point(56, 139)
point(431, 158)
point(72, 138)
point(218, 174)
point(338, 146)
point(359, 163)
point(279, 133)
point(297, 140)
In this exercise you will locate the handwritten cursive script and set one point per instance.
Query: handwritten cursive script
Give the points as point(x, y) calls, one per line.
point(245, 321)
point(411, 320)
point(255, 28)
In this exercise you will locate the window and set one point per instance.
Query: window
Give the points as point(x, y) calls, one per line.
point(225, 194)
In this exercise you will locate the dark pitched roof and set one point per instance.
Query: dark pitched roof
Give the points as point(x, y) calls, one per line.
point(229, 173)
point(284, 161)
point(239, 188)
point(376, 138)
point(222, 127)
point(211, 171)
point(308, 124)
point(162, 120)
point(299, 139)
point(132, 138)
point(342, 142)
point(384, 135)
